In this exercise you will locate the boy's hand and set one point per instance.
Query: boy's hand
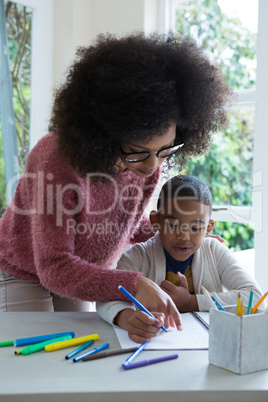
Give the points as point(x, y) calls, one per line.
point(140, 326)
point(184, 300)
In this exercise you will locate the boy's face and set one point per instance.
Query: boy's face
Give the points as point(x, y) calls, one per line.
point(182, 226)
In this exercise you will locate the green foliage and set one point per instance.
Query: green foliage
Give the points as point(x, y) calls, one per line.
point(18, 20)
point(237, 236)
point(227, 170)
point(231, 45)
point(228, 166)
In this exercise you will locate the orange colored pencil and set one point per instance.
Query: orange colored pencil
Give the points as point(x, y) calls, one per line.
point(242, 308)
point(258, 303)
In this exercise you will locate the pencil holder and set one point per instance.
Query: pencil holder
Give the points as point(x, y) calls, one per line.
point(238, 343)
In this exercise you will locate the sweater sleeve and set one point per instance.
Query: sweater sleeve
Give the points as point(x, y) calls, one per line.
point(226, 278)
point(133, 260)
point(64, 273)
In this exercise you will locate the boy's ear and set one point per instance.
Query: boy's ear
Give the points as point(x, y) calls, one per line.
point(210, 226)
point(153, 217)
point(154, 220)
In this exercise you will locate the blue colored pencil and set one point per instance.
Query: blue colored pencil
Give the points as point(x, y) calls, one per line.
point(135, 354)
point(40, 338)
point(80, 349)
point(217, 304)
point(91, 352)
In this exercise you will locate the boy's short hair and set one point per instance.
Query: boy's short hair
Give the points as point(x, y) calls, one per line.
point(183, 186)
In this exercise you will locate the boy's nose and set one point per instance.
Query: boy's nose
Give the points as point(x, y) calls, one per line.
point(183, 235)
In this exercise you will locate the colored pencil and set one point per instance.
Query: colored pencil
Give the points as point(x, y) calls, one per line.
point(147, 362)
point(108, 354)
point(250, 301)
point(238, 303)
point(258, 303)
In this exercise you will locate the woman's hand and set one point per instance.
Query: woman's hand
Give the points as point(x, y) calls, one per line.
point(216, 237)
point(140, 326)
point(154, 298)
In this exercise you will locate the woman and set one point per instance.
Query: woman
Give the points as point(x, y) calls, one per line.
point(128, 105)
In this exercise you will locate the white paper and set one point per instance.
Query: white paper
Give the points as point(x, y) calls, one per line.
point(193, 336)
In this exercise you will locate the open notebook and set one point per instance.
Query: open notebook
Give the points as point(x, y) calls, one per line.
point(193, 336)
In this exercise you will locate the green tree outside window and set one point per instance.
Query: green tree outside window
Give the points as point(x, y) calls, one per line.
point(19, 20)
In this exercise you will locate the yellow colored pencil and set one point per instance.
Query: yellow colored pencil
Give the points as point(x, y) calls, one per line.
point(71, 342)
point(238, 303)
point(258, 303)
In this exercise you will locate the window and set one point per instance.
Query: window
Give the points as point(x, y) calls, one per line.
point(38, 94)
point(18, 26)
point(227, 29)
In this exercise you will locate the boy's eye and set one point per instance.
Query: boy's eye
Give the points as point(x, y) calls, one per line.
point(172, 225)
point(197, 229)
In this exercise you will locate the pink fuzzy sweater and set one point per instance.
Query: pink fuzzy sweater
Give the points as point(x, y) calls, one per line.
point(66, 232)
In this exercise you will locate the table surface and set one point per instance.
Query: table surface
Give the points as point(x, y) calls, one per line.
point(50, 377)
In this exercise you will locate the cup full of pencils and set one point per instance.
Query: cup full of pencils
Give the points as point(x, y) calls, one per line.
point(238, 336)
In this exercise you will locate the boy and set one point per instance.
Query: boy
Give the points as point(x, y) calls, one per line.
point(180, 259)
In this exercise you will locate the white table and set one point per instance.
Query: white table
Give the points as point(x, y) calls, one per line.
point(49, 377)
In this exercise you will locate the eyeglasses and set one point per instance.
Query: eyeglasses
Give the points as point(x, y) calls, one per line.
point(132, 157)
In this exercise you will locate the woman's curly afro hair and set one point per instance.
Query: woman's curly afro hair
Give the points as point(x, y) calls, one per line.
point(134, 88)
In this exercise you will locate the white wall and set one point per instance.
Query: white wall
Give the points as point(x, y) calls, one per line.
point(71, 29)
point(78, 22)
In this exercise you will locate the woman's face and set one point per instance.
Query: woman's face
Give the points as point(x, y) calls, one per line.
point(147, 167)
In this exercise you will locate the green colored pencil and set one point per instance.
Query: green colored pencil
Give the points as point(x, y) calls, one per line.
point(7, 343)
point(250, 302)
